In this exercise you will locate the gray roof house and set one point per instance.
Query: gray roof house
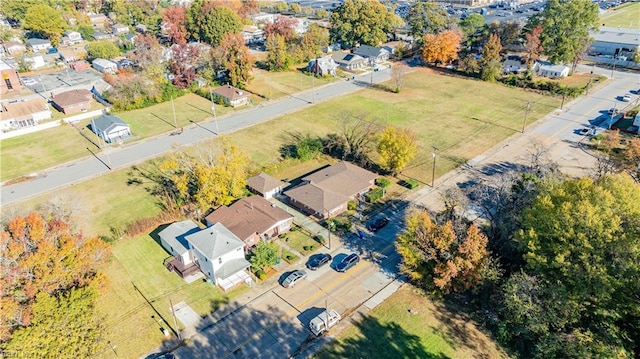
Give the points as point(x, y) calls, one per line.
point(323, 66)
point(220, 255)
point(348, 61)
point(110, 128)
point(265, 185)
point(173, 240)
point(37, 45)
point(375, 54)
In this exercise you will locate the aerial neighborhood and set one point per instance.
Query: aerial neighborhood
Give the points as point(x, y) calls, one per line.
point(320, 179)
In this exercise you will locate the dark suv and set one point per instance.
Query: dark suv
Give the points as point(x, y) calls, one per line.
point(378, 224)
point(348, 262)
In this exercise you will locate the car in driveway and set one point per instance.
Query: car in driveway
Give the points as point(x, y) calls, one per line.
point(293, 278)
point(318, 260)
point(348, 262)
point(377, 224)
point(613, 111)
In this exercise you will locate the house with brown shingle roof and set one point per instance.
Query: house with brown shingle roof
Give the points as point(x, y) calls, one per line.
point(15, 115)
point(73, 101)
point(326, 193)
point(265, 185)
point(232, 96)
point(252, 219)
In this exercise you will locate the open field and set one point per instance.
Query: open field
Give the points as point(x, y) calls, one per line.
point(128, 317)
point(626, 16)
point(273, 85)
point(430, 330)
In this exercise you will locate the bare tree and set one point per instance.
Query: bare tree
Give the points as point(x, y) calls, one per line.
point(541, 163)
point(359, 135)
point(398, 73)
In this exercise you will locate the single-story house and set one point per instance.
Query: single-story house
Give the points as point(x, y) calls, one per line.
point(348, 61)
point(10, 81)
point(550, 70)
point(119, 29)
point(99, 35)
point(110, 128)
point(232, 96)
point(252, 219)
point(73, 37)
point(220, 255)
point(38, 45)
point(35, 62)
point(263, 18)
point(98, 19)
point(22, 114)
point(73, 101)
point(265, 185)
point(513, 67)
point(141, 28)
point(252, 34)
point(172, 239)
point(71, 54)
point(323, 66)
point(326, 193)
point(371, 53)
point(105, 66)
point(14, 48)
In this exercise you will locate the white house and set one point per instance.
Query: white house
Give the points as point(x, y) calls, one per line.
point(220, 255)
point(35, 62)
point(636, 122)
point(38, 45)
point(119, 29)
point(15, 115)
point(110, 128)
point(73, 37)
point(105, 66)
point(173, 240)
point(323, 66)
point(549, 70)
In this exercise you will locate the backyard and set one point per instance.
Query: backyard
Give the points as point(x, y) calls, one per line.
point(408, 325)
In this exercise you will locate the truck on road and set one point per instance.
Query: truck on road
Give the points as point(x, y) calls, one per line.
point(323, 321)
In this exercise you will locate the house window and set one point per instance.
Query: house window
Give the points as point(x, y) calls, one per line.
point(7, 81)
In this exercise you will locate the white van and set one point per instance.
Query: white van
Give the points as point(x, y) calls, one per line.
point(323, 321)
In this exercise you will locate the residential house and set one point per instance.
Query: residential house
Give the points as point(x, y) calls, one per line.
point(99, 35)
point(547, 69)
point(263, 18)
point(513, 66)
point(71, 37)
point(636, 122)
point(72, 101)
point(98, 20)
point(323, 66)
point(252, 34)
point(141, 28)
point(79, 65)
point(265, 185)
point(348, 61)
point(232, 96)
point(372, 54)
point(35, 62)
point(37, 45)
point(105, 66)
point(119, 29)
point(71, 54)
point(220, 255)
point(252, 219)
point(20, 114)
point(326, 193)
point(10, 81)
point(173, 240)
point(14, 48)
point(110, 128)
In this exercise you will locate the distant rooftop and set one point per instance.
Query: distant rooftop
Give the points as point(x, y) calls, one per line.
point(618, 35)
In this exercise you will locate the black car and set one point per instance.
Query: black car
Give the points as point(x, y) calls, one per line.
point(348, 262)
point(378, 224)
point(318, 261)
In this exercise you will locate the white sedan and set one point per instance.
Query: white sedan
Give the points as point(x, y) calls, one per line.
point(28, 81)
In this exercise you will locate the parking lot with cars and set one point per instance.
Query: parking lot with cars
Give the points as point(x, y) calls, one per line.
point(61, 80)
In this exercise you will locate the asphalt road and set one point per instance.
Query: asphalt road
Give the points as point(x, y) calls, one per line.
point(111, 159)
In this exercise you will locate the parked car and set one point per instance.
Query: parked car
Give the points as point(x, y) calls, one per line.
point(52, 50)
point(349, 261)
point(293, 278)
point(28, 81)
point(377, 224)
point(318, 260)
point(585, 131)
point(626, 98)
point(613, 111)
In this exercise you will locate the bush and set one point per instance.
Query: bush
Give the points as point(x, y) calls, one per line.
point(412, 183)
point(320, 239)
point(293, 228)
point(374, 195)
point(352, 205)
point(383, 182)
point(261, 274)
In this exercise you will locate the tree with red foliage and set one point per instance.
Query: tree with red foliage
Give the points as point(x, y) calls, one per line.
point(182, 65)
point(236, 59)
point(533, 45)
point(282, 25)
point(175, 17)
point(42, 255)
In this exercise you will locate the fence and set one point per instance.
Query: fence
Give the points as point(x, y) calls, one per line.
point(48, 125)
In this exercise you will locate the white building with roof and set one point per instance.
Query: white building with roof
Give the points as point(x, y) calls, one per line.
point(613, 41)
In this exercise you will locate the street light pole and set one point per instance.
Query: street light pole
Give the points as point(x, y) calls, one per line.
point(433, 171)
point(526, 112)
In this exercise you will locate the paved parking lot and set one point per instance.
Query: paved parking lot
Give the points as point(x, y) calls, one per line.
point(64, 80)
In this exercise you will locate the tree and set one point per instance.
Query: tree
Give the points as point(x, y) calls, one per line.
point(437, 257)
point(442, 47)
point(468, 64)
point(210, 23)
point(356, 138)
point(580, 239)
point(566, 25)
point(17, 9)
point(181, 65)
point(490, 64)
point(131, 91)
point(322, 13)
point(42, 255)
point(533, 45)
point(631, 159)
point(65, 325)
point(398, 73)
point(45, 20)
point(102, 49)
point(278, 55)
point(265, 254)
point(314, 41)
point(362, 22)
point(508, 31)
point(175, 17)
point(295, 8)
point(248, 7)
point(236, 60)
point(148, 54)
point(427, 18)
point(471, 24)
point(283, 26)
point(396, 147)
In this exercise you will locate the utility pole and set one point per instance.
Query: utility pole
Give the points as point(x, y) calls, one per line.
point(433, 171)
point(175, 121)
point(372, 67)
point(213, 109)
point(526, 112)
point(175, 321)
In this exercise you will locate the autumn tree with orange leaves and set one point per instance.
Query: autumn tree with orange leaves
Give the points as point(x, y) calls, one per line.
point(441, 48)
point(440, 258)
point(42, 255)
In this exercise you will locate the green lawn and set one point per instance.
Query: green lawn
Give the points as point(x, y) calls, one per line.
point(128, 317)
point(626, 16)
point(298, 240)
point(429, 331)
point(273, 85)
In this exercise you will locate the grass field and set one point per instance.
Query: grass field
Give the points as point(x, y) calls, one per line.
point(391, 331)
point(273, 85)
point(626, 16)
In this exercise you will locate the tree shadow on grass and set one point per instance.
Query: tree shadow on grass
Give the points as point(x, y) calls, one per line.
point(378, 340)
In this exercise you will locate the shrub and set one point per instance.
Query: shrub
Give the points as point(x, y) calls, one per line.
point(374, 195)
point(383, 182)
point(261, 274)
point(412, 183)
point(293, 228)
point(320, 239)
point(352, 205)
